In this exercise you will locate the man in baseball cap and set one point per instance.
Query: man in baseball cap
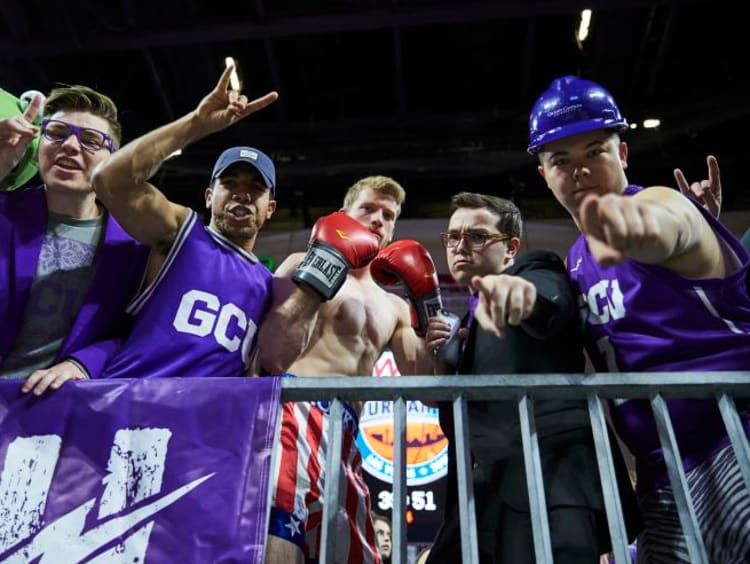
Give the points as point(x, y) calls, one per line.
point(205, 293)
point(254, 157)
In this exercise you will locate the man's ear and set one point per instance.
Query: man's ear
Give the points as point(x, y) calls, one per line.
point(514, 246)
point(207, 194)
point(623, 150)
point(270, 209)
point(540, 170)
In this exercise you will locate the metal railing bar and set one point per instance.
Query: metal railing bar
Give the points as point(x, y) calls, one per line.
point(724, 386)
point(333, 465)
point(510, 387)
point(398, 513)
point(466, 504)
point(534, 481)
point(610, 492)
point(685, 508)
point(737, 435)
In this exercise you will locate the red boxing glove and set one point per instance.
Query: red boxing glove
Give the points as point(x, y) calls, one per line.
point(409, 262)
point(338, 243)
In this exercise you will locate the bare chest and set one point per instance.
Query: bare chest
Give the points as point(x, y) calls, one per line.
point(361, 311)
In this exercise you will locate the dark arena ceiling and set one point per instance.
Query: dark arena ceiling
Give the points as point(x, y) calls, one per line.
point(435, 93)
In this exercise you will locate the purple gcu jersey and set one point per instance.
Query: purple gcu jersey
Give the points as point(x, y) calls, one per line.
point(200, 315)
point(641, 317)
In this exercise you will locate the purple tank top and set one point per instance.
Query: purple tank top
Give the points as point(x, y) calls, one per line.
point(640, 317)
point(200, 315)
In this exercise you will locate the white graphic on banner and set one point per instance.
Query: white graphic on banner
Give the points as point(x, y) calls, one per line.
point(29, 465)
point(135, 471)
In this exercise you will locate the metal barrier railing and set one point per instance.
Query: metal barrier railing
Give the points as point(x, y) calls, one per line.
point(525, 389)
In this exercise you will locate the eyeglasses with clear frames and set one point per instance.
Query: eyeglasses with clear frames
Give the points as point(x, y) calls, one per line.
point(475, 240)
point(90, 139)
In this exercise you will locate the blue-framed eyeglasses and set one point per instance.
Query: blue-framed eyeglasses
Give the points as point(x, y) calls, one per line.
point(90, 139)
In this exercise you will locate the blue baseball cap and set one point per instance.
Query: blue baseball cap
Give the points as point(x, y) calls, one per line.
point(254, 157)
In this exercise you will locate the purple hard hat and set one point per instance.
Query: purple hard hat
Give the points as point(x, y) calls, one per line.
point(572, 105)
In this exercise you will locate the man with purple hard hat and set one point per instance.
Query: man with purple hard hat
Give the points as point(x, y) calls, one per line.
point(205, 292)
point(662, 287)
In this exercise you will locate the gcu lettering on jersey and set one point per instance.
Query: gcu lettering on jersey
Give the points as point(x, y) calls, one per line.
point(135, 471)
point(605, 302)
point(213, 294)
point(202, 314)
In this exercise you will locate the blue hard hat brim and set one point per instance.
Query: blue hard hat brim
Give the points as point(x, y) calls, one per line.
point(568, 130)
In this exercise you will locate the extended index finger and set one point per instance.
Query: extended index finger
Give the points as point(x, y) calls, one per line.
point(32, 109)
point(479, 284)
point(490, 299)
point(589, 216)
point(682, 182)
point(714, 177)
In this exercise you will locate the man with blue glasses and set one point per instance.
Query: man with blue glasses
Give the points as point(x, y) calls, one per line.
point(90, 139)
point(67, 269)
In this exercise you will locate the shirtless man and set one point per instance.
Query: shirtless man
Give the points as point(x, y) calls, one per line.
point(340, 325)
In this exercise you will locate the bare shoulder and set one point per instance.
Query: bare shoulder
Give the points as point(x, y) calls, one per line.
point(394, 299)
point(386, 303)
point(173, 222)
point(282, 284)
point(699, 247)
point(289, 265)
point(398, 305)
point(675, 202)
point(662, 194)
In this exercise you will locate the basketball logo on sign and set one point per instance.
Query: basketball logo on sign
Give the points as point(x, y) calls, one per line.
point(426, 445)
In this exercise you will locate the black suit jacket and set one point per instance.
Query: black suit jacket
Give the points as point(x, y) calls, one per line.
point(550, 341)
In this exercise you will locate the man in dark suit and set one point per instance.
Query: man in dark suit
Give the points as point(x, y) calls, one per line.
point(533, 304)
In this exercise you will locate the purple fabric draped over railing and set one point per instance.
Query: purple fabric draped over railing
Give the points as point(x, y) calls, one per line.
point(168, 470)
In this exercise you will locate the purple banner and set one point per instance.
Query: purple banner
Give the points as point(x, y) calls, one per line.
point(172, 470)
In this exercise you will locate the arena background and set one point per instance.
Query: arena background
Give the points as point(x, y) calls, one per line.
point(435, 93)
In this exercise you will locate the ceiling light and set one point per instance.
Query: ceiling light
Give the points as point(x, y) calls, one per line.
point(651, 123)
point(583, 26)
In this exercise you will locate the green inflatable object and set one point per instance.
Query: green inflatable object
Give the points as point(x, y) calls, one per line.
point(27, 167)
